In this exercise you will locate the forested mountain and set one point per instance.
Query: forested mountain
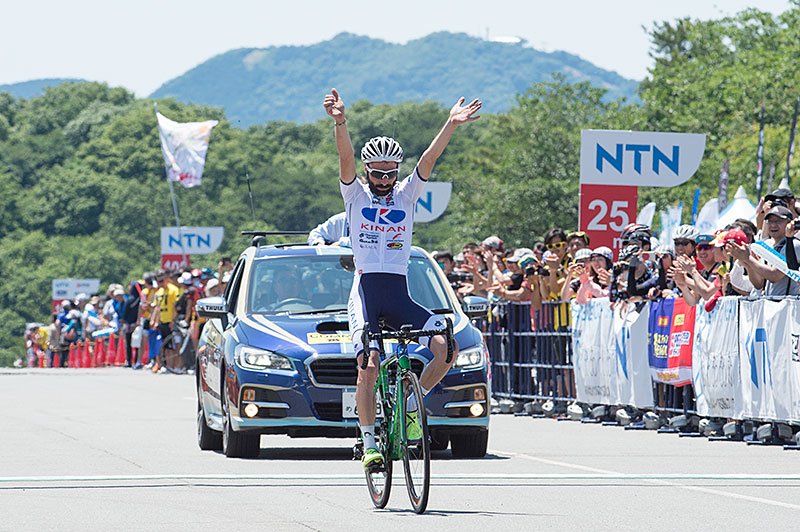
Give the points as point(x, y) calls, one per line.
point(83, 191)
point(255, 85)
point(34, 87)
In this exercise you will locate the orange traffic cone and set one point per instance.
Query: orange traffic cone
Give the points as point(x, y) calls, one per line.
point(120, 351)
point(71, 356)
point(111, 354)
point(40, 354)
point(56, 360)
point(85, 361)
point(100, 352)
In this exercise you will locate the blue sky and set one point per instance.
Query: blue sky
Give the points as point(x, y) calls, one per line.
point(140, 45)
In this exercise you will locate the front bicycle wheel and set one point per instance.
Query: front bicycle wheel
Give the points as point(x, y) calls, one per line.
point(379, 479)
point(415, 443)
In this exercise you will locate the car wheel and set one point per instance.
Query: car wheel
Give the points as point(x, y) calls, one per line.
point(236, 444)
point(470, 444)
point(207, 439)
point(439, 441)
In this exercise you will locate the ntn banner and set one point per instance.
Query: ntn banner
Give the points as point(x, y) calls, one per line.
point(191, 240)
point(433, 201)
point(639, 158)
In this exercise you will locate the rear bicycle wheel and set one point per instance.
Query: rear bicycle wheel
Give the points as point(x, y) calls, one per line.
point(379, 479)
point(416, 452)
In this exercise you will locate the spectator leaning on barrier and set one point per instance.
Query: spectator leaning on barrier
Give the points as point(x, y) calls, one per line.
point(739, 283)
point(764, 277)
point(595, 280)
point(515, 277)
point(556, 260)
point(577, 271)
point(683, 238)
point(665, 288)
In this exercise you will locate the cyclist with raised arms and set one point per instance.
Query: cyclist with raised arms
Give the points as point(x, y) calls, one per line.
point(380, 214)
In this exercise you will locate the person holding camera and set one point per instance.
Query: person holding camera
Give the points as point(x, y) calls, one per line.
point(782, 227)
point(781, 197)
point(632, 276)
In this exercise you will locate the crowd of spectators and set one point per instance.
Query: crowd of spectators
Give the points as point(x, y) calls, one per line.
point(561, 267)
point(158, 309)
point(700, 267)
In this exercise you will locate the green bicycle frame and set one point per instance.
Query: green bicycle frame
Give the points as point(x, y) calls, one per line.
point(397, 429)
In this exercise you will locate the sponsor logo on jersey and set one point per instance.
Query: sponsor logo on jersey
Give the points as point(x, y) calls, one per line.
point(383, 216)
point(368, 238)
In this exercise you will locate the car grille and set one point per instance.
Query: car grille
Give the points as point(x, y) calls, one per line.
point(343, 371)
point(329, 411)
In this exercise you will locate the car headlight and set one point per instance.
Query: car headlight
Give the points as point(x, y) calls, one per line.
point(470, 358)
point(254, 358)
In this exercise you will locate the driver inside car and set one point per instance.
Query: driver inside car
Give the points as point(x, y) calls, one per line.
point(286, 286)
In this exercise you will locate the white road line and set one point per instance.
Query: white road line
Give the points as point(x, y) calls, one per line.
point(663, 479)
point(598, 475)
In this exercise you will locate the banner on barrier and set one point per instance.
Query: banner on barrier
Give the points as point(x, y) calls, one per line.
point(634, 386)
point(767, 371)
point(715, 360)
point(591, 331)
point(671, 330)
point(609, 354)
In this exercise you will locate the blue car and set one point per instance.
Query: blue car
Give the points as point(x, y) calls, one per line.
point(275, 356)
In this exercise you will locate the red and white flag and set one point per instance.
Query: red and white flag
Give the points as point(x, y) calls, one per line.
point(184, 146)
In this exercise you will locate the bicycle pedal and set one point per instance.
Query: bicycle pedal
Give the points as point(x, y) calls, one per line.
point(379, 467)
point(358, 451)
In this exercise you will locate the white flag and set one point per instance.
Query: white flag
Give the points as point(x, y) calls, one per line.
point(184, 146)
point(708, 219)
point(645, 216)
point(670, 219)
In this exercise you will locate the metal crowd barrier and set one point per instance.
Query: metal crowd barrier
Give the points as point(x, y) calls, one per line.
point(531, 357)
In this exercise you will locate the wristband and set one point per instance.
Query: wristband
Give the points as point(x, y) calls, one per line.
point(343, 122)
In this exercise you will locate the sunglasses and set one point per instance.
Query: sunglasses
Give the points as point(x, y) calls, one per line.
point(374, 173)
point(704, 247)
point(682, 242)
point(556, 245)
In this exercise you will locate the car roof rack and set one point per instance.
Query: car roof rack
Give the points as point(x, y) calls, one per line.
point(259, 238)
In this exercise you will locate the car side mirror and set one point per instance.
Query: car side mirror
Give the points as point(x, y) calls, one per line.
point(213, 307)
point(476, 307)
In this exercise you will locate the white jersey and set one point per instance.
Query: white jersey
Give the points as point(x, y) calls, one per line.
point(381, 226)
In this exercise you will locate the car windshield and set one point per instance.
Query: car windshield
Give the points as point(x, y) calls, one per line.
point(321, 283)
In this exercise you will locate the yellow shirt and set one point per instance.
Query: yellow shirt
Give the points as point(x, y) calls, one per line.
point(166, 299)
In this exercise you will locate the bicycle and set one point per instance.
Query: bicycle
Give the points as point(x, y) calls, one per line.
point(396, 383)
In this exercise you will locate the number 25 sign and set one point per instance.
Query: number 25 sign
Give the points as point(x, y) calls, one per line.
point(605, 211)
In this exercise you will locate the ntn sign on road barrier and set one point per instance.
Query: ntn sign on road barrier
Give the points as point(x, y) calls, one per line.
point(639, 158)
point(433, 202)
point(72, 288)
point(190, 240)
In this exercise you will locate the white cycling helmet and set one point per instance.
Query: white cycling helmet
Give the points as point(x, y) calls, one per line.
point(382, 149)
point(689, 232)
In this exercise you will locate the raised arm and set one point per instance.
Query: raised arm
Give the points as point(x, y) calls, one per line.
point(334, 106)
point(458, 115)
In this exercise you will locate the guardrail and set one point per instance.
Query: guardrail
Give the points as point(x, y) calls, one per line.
point(532, 357)
point(741, 359)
